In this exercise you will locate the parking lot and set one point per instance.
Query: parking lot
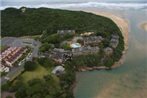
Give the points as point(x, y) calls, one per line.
point(19, 42)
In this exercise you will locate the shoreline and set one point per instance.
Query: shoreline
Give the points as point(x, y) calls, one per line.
point(124, 28)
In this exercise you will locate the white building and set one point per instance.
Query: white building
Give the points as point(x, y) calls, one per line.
point(58, 70)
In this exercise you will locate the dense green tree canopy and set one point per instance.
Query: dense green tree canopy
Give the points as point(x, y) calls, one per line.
point(9, 97)
point(30, 65)
point(36, 21)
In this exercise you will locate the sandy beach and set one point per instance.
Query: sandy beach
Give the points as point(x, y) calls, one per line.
point(144, 26)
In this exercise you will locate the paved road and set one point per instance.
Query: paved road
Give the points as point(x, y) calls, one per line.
point(20, 42)
point(36, 46)
point(16, 42)
point(14, 72)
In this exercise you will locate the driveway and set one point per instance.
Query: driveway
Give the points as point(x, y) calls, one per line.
point(19, 42)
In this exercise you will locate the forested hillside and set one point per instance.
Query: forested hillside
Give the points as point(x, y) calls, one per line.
point(31, 21)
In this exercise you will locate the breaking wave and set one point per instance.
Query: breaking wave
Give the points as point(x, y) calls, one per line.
point(88, 4)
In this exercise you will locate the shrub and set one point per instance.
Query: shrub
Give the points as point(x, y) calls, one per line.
point(66, 46)
point(5, 87)
point(46, 62)
point(29, 66)
point(9, 97)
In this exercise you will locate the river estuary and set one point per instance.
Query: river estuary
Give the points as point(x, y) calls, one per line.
point(130, 79)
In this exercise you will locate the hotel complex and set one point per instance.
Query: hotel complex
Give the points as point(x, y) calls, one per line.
point(9, 56)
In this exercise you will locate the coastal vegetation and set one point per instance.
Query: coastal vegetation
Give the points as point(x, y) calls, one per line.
point(43, 20)
point(41, 83)
point(38, 81)
point(29, 66)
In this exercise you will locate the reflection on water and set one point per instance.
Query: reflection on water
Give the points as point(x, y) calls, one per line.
point(130, 79)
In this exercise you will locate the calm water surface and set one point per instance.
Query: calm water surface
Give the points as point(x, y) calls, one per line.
point(130, 79)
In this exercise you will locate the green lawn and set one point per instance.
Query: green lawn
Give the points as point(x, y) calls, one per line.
point(40, 72)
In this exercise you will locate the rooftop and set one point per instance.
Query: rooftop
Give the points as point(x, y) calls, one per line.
point(75, 45)
point(58, 70)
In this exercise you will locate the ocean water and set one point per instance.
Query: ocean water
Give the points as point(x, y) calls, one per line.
point(125, 4)
point(130, 79)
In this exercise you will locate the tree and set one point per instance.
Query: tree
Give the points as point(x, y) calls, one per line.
point(46, 62)
point(108, 62)
point(45, 47)
point(21, 92)
point(17, 85)
point(9, 97)
point(48, 96)
point(30, 65)
point(66, 46)
point(51, 20)
point(5, 87)
point(54, 38)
